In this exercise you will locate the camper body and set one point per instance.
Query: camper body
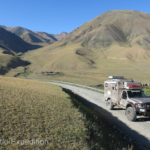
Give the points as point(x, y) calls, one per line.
point(128, 95)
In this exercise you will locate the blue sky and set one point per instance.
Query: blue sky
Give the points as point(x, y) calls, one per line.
point(55, 16)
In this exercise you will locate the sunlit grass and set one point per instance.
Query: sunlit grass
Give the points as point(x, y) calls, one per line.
point(34, 110)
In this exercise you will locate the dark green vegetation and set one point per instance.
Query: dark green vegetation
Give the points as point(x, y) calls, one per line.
point(147, 90)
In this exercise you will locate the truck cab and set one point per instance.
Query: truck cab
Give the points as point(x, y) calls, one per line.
point(128, 95)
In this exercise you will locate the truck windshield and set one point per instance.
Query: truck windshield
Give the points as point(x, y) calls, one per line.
point(132, 94)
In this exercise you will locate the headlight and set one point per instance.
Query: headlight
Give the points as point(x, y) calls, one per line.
point(139, 105)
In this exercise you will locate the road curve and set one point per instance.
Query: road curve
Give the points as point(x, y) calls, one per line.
point(139, 130)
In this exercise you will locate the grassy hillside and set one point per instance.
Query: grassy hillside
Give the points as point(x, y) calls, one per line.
point(114, 43)
point(9, 60)
point(93, 67)
point(11, 46)
point(32, 110)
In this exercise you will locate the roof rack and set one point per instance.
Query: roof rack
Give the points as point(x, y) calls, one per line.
point(116, 77)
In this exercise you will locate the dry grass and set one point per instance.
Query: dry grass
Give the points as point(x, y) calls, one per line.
point(5, 59)
point(34, 110)
point(129, 62)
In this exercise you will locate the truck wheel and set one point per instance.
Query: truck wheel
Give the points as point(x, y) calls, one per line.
point(131, 114)
point(109, 104)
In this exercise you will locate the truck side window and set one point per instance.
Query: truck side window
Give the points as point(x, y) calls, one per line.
point(124, 95)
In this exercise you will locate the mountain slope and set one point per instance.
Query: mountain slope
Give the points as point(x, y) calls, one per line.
point(20, 40)
point(121, 27)
point(9, 60)
point(31, 36)
point(60, 36)
point(116, 42)
point(10, 41)
point(10, 45)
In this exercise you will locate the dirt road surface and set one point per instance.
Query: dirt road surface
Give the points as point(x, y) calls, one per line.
point(138, 131)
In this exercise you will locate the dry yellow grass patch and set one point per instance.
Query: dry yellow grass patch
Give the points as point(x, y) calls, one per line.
point(33, 110)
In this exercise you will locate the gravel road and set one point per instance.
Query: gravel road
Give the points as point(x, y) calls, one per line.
point(138, 131)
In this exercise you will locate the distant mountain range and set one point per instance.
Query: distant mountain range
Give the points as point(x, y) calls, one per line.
point(36, 37)
point(10, 41)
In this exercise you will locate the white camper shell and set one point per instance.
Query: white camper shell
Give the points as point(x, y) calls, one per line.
point(116, 84)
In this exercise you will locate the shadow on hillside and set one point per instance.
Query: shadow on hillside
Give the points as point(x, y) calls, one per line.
point(103, 133)
point(33, 47)
point(14, 63)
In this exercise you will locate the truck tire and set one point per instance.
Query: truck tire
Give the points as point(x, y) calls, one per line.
point(131, 113)
point(109, 104)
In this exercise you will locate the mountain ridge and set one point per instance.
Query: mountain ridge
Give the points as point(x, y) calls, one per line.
point(115, 42)
point(35, 37)
point(13, 42)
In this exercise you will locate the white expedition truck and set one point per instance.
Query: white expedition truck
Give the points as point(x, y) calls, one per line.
point(128, 95)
